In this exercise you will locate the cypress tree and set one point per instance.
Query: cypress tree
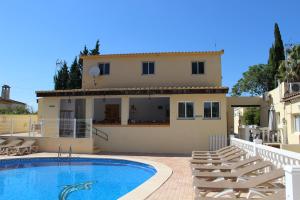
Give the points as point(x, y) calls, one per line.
point(276, 53)
point(57, 82)
point(61, 79)
point(75, 75)
point(65, 76)
point(85, 52)
point(96, 50)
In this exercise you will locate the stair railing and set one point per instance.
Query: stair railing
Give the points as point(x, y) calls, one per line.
point(103, 135)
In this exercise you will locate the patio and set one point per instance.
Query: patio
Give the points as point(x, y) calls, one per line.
point(178, 186)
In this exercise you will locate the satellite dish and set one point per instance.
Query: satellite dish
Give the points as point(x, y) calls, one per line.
point(94, 71)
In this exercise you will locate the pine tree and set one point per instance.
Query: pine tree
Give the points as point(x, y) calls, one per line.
point(96, 50)
point(75, 76)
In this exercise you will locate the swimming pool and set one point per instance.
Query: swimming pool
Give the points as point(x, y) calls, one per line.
point(70, 178)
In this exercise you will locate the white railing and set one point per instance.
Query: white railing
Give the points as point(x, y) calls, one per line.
point(217, 142)
point(243, 144)
point(271, 137)
point(288, 160)
point(71, 128)
point(278, 157)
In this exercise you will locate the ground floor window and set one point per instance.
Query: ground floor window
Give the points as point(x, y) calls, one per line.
point(211, 110)
point(107, 111)
point(152, 110)
point(297, 123)
point(185, 110)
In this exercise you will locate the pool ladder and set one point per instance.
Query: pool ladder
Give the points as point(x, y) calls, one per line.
point(59, 151)
point(70, 151)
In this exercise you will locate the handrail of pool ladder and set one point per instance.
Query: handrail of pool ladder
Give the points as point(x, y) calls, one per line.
point(59, 151)
point(70, 151)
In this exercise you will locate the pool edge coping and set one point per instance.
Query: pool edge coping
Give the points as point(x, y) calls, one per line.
point(143, 191)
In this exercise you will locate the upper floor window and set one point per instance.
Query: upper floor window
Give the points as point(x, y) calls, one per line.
point(212, 110)
point(104, 68)
point(297, 123)
point(148, 68)
point(186, 110)
point(197, 67)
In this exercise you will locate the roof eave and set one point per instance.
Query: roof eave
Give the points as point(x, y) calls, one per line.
point(220, 52)
point(131, 91)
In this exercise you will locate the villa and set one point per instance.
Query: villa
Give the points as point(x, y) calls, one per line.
point(168, 102)
point(165, 102)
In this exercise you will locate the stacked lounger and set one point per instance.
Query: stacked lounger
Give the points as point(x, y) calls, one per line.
point(229, 174)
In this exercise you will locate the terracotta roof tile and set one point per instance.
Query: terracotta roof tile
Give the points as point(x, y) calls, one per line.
point(220, 52)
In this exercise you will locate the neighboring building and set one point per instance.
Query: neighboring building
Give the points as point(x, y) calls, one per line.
point(238, 118)
point(145, 102)
point(6, 102)
point(286, 101)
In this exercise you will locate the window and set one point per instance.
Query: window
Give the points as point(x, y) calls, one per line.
point(148, 68)
point(297, 123)
point(185, 110)
point(104, 69)
point(212, 110)
point(197, 67)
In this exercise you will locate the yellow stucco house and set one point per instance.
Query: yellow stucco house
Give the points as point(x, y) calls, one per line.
point(167, 102)
point(286, 101)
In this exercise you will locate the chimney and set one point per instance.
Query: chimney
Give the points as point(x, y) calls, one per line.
point(5, 92)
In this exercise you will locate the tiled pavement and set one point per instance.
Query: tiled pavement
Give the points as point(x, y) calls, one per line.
point(179, 185)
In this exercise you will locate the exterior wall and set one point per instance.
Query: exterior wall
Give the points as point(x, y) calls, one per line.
point(237, 119)
point(48, 144)
point(49, 111)
point(244, 101)
point(170, 70)
point(20, 123)
point(10, 105)
point(291, 147)
point(181, 136)
point(79, 145)
point(286, 110)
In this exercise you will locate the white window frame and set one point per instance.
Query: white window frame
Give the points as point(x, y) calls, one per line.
point(185, 110)
point(211, 118)
point(294, 123)
point(197, 61)
point(148, 68)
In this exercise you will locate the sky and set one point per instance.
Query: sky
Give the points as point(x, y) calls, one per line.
point(34, 34)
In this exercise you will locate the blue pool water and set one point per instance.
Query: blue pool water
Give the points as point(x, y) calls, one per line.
point(70, 179)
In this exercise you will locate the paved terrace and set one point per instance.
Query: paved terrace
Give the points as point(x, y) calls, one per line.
point(177, 187)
